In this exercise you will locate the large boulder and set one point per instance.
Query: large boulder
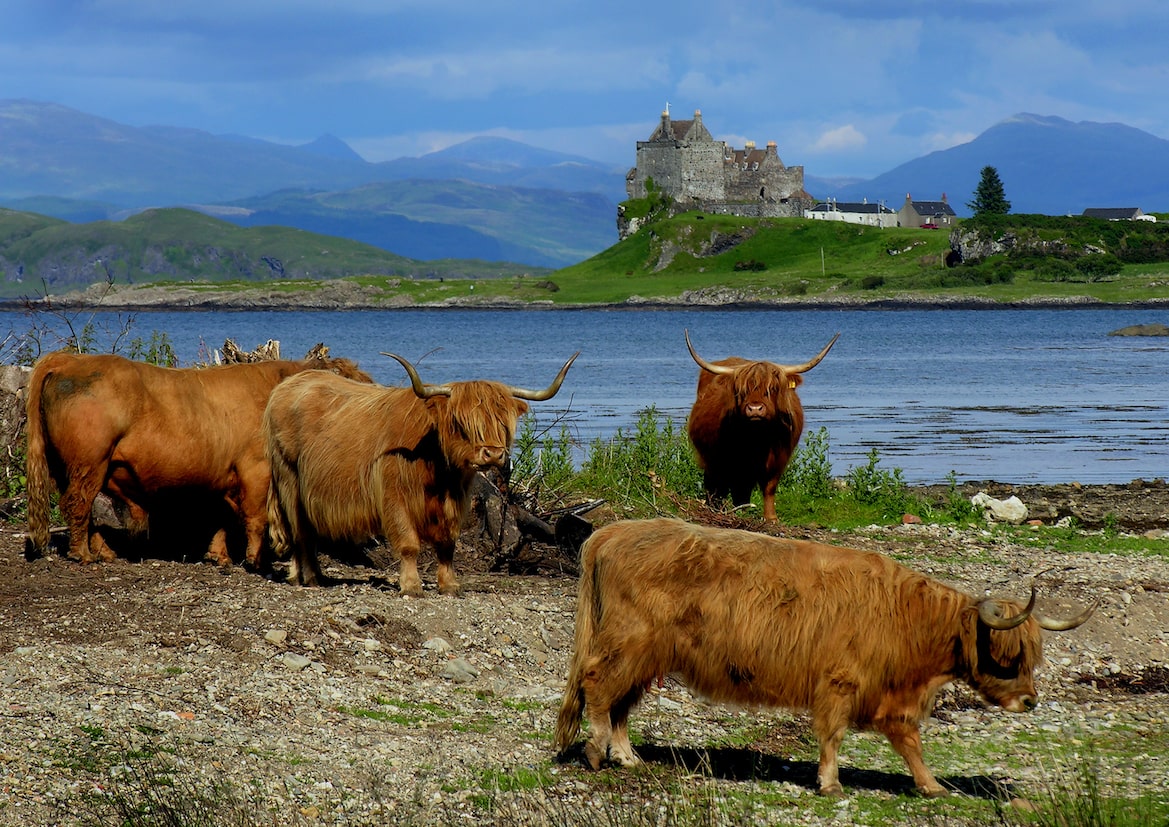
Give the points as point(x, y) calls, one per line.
point(1142, 330)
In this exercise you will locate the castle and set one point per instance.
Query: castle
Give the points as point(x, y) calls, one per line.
point(699, 173)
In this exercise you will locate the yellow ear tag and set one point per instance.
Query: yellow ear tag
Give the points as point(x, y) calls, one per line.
point(791, 383)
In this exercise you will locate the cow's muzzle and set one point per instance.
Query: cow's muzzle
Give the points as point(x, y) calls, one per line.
point(490, 456)
point(1021, 703)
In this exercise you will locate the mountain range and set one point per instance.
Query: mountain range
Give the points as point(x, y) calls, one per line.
point(1048, 165)
point(500, 200)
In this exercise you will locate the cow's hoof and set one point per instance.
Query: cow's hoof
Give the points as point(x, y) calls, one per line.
point(593, 755)
point(450, 590)
point(832, 791)
point(411, 591)
point(933, 792)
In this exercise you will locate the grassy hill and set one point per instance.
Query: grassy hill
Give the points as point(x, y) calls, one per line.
point(692, 259)
point(39, 254)
point(704, 259)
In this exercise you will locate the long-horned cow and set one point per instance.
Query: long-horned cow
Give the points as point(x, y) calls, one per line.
point(140, 433)
point(744, 618)
point(351, 462)
point(745, 424)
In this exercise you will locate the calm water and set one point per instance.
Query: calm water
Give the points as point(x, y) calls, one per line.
point(1011, 395)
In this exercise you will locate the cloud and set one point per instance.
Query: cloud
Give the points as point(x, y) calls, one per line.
point(842, 139)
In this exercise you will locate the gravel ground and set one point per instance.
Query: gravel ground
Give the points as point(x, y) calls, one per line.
point(352, 705)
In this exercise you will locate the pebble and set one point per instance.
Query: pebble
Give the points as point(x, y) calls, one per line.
point(383, 713)
point(294, 661)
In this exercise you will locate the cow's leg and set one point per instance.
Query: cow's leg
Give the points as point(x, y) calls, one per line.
point(741, 494)
point(402, 537)
point(906, 740)
point(447, 582)
point(100, 549)
point(217, 550)
point(305, 568)
point(77, 508)
point(620, 750)
point(613, 684)
point(253, 511)
point(831, 713)
point(716, 491)
point(409, 581)
point(769, 487)
point(828, 773)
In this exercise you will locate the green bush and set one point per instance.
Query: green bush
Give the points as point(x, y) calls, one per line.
point(542, 462)
point(1096, 266)
point(645, 470)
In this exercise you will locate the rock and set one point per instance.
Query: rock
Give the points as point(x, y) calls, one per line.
point(459, 671)
point(294, 661)
point(1011, 510)
point(1142, 330)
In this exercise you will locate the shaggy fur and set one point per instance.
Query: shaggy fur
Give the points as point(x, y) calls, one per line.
point(744, 428)
point(743, 618)
point(351, 462)
point(133, 430)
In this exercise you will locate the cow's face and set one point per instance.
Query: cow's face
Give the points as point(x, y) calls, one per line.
point(1003, 663)
point(764, 392)
point(482, 424)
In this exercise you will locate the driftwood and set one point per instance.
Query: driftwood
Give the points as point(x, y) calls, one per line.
point(233, 354)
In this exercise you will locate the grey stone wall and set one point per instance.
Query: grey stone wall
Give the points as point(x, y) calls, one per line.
point(698, 172)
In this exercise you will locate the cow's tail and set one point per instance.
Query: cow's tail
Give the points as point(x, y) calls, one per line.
point(279, 531)
point(39, 485)
point(588, 611)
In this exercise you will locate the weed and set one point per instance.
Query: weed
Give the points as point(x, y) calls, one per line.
point(646, 470)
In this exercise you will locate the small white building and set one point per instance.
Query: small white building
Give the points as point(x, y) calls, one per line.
point(1119, 214)
point(872, 215)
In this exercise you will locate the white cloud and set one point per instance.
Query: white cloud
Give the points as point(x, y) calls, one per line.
point(842, 139)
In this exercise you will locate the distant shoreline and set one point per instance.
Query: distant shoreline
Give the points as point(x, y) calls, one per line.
point(342, 295)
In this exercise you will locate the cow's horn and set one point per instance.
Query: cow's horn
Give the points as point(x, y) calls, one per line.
point(806, 366)
point(702, 363)
point(1053, 625)
point(988, 614)
point(421, 389)
point(548, 392)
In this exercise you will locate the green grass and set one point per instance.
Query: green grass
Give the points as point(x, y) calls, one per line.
point(772, 259)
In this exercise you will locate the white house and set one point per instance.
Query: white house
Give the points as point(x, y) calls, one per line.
point(873, 215)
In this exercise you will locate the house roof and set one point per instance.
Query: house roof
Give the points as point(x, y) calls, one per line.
point(932, 208)
point(1113, 213)
point(853, 206)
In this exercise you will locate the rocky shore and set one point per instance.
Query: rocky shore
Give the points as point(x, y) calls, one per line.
point(343, 294)
point(350, 705)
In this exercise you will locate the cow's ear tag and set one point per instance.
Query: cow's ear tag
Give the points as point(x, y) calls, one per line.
point(791, 383)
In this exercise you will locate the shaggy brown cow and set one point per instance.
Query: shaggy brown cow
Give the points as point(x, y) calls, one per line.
point(351, 462)
point(139, 432)
point(749, 619)
point(746, 423)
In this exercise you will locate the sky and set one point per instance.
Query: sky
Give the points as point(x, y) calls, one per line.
point(845, 88)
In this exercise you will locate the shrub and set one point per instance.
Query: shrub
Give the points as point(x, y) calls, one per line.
point(542, 462)
point(873, 485)
point(649, 467)
point(1096, 266)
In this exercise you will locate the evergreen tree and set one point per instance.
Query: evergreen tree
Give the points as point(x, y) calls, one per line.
point(989, 198)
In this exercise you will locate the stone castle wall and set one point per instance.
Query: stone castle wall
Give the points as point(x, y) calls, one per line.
point(699, 173)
